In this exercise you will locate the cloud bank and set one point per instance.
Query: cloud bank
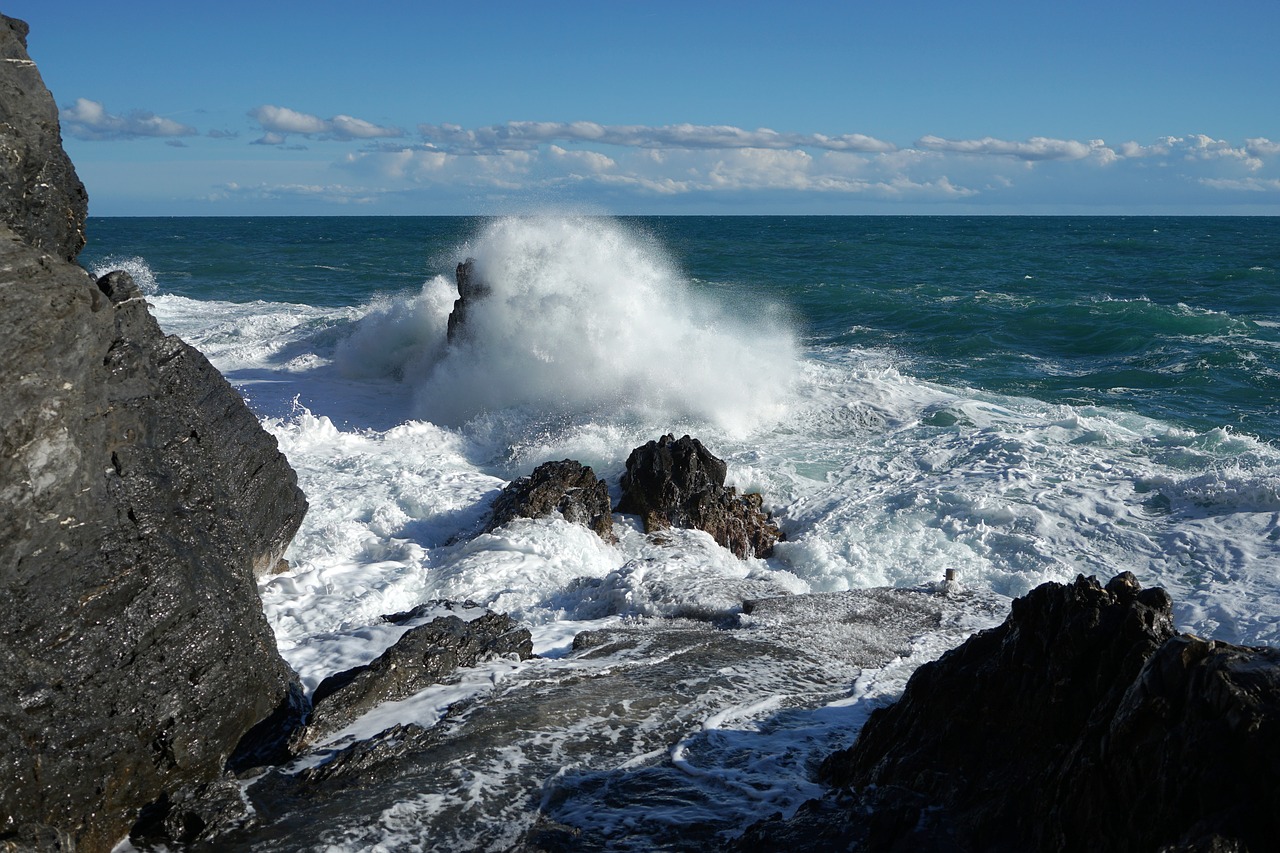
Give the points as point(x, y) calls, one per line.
point(278, 123)
point(86, 119)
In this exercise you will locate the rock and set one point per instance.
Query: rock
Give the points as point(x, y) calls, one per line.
point(41, 198)
point(470, 289)
point(425, 655)
point(1081, 723)
point(679, 483)
point(138, 497)
point(566, 488)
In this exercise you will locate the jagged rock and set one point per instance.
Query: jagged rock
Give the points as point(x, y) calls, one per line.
point(566, 488)
point(1081, 723)
point(470, 289)
point(138, 495)
point(41, 198)
point(425, 655)
point(679, 483)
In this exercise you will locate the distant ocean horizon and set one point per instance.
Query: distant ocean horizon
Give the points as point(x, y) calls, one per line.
point(1019, 399)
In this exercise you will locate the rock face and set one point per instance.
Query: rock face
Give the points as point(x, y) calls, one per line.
point(679, 483)
point(566, 488)
point(423, 656)
point(470, 289)
point(138, 496)
point(1081, 723)
point(41, 198)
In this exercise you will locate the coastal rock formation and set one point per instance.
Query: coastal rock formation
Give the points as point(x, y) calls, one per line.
point(41, 198)
point(424, 656)
point(1082, 723)
point(470, 289)
point(679, 483)
point(138, 497)
point(566, 488)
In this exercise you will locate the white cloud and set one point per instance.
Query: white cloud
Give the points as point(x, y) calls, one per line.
point(1250, 184)
point(524, 135)
point(1034, 149)
point(87, 119)
point(278, 122)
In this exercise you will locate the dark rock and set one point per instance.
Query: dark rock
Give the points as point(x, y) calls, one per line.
point(679, 483)
point(138, 497)
point(41, 198)
point(566, 488)
point(425, 655)
point(1081, 723)
point(470, 289)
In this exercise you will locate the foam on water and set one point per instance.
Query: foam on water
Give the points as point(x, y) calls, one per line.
point(134, 265)
point(592, 344)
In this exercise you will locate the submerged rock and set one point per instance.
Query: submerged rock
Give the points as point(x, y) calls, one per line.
point(470, 289)
point(566, 488)
point(425, 655)
point(1082, 723)
point(138, 497)
point(679, 483)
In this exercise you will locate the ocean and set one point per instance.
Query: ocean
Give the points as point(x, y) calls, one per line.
point(1016, 399)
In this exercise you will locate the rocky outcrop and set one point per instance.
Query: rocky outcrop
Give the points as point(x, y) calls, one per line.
point(1081, 723)
point(41, 198)
point(679, 483)
point(423, 656)
point(567, 488)
point(470, 289)
point(138, 496)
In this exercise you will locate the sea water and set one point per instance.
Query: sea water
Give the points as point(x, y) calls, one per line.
point(1019, 400)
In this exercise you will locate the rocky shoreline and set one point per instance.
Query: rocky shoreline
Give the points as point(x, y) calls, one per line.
point(140, 499)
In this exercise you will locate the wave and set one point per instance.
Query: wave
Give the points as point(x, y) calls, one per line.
point(135, 266)
point(584, 317)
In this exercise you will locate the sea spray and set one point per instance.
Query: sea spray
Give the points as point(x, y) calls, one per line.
point(585, 318)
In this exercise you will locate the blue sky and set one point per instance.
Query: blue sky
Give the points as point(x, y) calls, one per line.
point(659, 107)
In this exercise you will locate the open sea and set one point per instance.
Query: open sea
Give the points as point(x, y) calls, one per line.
point(1018, 399)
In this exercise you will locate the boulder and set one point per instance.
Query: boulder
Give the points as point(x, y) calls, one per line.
point(470, 289)
point(423, 656)
point(567, 488)
point(1082, 723)
point(138, 497)
point(41, 198)
point(679, 483)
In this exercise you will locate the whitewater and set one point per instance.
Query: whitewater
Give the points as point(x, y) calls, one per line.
point(888, 461)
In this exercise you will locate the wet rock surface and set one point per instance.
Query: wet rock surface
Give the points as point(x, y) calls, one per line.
point(679, 483)
point(1082, 723)
point(138, 497)
point(425, 655)
point(567, 488)
point(549, 754)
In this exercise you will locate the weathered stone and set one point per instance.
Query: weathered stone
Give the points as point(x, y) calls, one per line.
point(1081, 723)
point(566, 488)
point(41, 198)
point(423, 656)
point(679, 483)
point(470, 289)
point(138, 496)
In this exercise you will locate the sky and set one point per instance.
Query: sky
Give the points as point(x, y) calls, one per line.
point(424, 108)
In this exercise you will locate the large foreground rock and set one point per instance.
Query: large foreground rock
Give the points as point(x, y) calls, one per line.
point(138, 496)
point(679, 483)
point(1082, 723)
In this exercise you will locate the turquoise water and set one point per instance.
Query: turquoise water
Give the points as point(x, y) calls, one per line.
point(1173, 318)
